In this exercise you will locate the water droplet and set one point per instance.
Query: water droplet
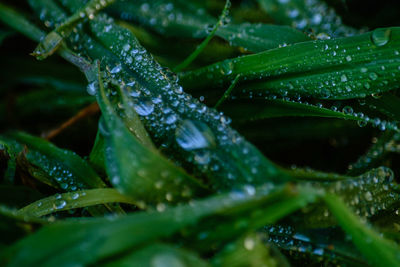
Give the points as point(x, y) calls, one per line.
point(380, 37)
point(75, 195)
point(116, 69)
point(362, 123)
point(92, 88)
point(249, 243)
point(349, 58)
point(343, 78)
point(144, 107)
point(226, 68)
point(191, 135)
point(373, 76)
point(59, 204)
point(166, 260)
point(368, 196)
point(347, 110)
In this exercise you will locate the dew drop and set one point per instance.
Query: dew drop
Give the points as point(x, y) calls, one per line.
point(373, 76)
point(144, 107)
point(380, 37)
point(191, 135)
point(59, 204)
point(92, 88)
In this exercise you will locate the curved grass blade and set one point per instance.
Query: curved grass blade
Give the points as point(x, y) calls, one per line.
point(139, 171)
point(342, 68)
point(54, 39)
point(65, 167)
point(69, 242)
point(318, 247)
point(378, 250)
point(73, 200)
point(174, 18)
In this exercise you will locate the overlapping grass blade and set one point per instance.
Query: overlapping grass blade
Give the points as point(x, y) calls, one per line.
point(342, 68)
point(104, 237)
point(139, 171)
point(64, 167)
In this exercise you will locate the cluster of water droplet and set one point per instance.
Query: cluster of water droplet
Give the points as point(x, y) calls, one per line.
point(167, 17)
point(361, 118)
point(316, 15)
point(66, 179)
point(300, 245)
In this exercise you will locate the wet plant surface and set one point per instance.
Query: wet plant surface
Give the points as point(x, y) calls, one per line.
point(199, 133)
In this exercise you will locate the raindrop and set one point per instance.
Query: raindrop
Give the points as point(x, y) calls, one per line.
point(92, 88)
point(191, 135)
point(380, 37)
point(144, 107)
point(59, 204)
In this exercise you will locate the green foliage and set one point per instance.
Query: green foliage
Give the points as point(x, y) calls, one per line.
point(258, 153)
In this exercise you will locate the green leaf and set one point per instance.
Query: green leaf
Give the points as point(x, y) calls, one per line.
point(139, 171)
point(73, 200)
point(354, 66)
point(64, 167)
point(88, 241)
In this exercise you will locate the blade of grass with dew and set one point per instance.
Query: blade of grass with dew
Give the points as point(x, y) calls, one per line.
point(316, 246)
point(171, 18)
point(68, 170)
point(137, 170)
point(54, 39)
point(105, 237)
point(356, 66)
point(73, 200)
point(272, 108)
point(376, 249)
point(303, 15)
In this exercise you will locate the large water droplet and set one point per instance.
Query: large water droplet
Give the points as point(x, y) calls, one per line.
point(92, 88)
point(380, 37)
point(191, 135)
point(59, 204)
point(144, 107)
